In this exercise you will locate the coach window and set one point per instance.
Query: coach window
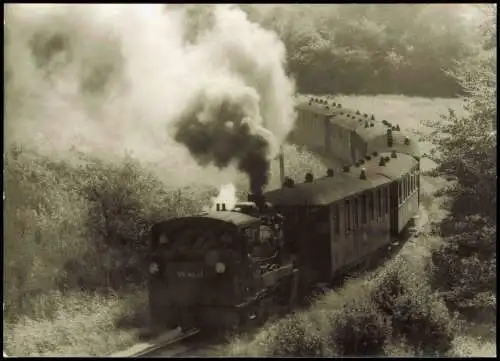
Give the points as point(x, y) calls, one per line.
point(348, 215)
point(371, 206)
point(400, 191)
point(407, 186)
point(356, 213)
point(404, 189)
point(363, 209)
point(384, 200)
point(381, 199)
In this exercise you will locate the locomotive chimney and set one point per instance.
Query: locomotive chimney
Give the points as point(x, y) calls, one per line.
point(258, 199)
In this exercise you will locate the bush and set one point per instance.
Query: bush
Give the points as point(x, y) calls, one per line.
point(466, 149)
point(358, 329)
point(292, 336)
point(416, 314)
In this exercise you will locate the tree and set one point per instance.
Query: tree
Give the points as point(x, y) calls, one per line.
point(465, 148)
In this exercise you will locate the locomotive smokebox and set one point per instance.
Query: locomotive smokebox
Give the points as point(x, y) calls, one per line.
point(258, 199)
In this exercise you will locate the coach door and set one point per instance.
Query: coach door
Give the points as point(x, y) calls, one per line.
point(319, 244)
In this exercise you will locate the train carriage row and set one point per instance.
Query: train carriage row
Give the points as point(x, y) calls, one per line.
point(346, 134)
point(350, 214)
point(225, 267)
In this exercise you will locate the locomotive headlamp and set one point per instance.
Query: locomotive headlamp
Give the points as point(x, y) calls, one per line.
point(153, 268)
point(220, 267)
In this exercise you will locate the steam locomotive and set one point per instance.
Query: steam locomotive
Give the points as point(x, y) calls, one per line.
point(225, 268)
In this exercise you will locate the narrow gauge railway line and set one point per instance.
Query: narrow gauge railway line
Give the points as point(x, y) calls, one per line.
point(172, 340)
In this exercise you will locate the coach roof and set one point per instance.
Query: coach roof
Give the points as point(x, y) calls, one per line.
point(326, 190)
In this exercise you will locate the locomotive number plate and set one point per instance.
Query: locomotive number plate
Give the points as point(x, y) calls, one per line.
point(186, 274)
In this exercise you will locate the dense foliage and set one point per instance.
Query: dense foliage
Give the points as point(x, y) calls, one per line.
point(371, 49)
point(466, 151)
point(80, 224)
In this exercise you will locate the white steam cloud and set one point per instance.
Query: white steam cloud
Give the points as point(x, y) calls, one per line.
point(116, 78)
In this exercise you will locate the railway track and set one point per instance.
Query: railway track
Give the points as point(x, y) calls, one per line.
point(170, 343)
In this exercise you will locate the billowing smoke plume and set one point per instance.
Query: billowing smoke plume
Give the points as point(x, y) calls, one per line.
point(223, 126)
point(168, 83)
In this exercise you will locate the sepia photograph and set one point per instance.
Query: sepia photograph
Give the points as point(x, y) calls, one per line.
point(250, 180)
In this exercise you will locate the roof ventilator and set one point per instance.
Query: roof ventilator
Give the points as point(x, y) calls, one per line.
point(329, 172)
point(394, 154)
point(345, 169)
point(373, 117)
point(390, 140)
point(368, 157)
point(407, 141)
point(217, 207)
point(223, 207)
point(362, 174)
point(381, 162)
point(309, 177)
